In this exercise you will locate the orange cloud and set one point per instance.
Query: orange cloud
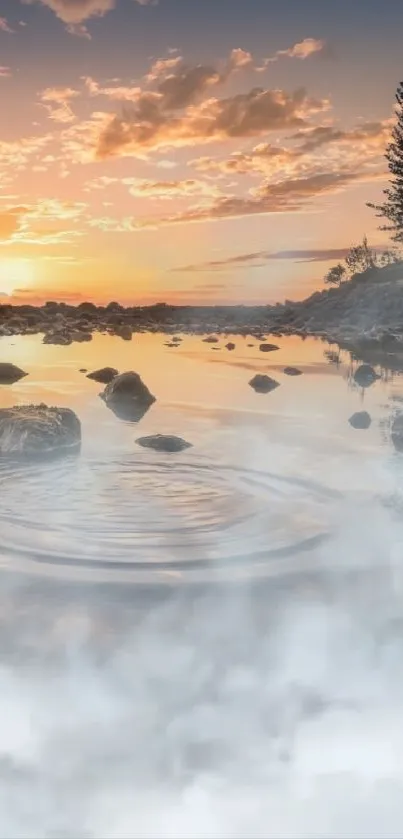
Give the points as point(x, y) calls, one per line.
point(56, 100)
point(148, 126)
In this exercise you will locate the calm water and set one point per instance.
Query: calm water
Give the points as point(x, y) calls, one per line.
point(268, 708)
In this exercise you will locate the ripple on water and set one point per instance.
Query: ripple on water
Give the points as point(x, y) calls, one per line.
point(155, 521)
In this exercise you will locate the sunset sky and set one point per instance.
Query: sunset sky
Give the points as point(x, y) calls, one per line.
point(192, 151)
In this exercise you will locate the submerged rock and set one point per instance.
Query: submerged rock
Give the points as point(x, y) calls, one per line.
point(268, 347)
point(128, 397)
point(9, 373)
point(365, 375)
point(263, 384)
point(230, 346)
point(104, 375)
point(211, 339)
point(292, 371)
point(37, 430)
point(163, 443)
point(360, 420)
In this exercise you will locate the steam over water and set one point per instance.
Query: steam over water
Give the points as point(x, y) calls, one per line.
point(205, 644)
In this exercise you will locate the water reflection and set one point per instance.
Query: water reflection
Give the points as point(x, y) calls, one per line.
point(227, 512)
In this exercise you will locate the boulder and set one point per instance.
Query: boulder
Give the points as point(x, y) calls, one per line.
point(292, 371)
point(163, 443)
point(365, 375)
point(104, 375)
point(230, 346)
point(37, 431)
point(263, 384)
point(360, 420)
point(9, 373)
point(128, 397)
point(268, 347)
point(211, 339)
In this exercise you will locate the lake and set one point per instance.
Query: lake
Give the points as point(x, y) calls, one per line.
point(207, 643)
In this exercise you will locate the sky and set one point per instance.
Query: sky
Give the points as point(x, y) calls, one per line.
point(190, 151)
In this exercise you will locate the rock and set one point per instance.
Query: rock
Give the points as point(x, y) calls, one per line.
point(124, 332)
point(365, 375)
point(230, 346)
point(9, 373)
point(172, 345)
point(263, 384)
point(128, 397)
point(268, 347)
point(211, 339)
point(104, 375)
point(83, 370)
point(292, 371)
point(163, 443)
point(36, 431)
point(80, 336)
point(397, 432)
point(360, 420)
point(62, 338)
point(176, 339)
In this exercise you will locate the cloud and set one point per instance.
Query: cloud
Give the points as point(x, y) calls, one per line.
point(148, 125)
point(56, 100)
point(74, 12)
point(372, 134)
point(255, 260)
point(160, 190)
point(43, 222)
point(10, 222)
point(5, 72)
point(301, 50)
point(5, 26)
point(287, 196)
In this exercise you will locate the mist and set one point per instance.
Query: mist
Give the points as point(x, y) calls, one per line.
point(249, 711)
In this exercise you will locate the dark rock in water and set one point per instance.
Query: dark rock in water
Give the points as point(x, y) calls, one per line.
point(292, 371)
point(38, 431)
point(211, 339)
point(163, 443)
point(104, 375)
point(176, 339)
point(360, 420)
point(365, 375)
point(79, 336)
point(124, 332)
point(128, 397)
point(83, 370)
point(62, 338)
point(263, 384)
point(172, 345)
point(230, 346)
point(217, 349)
point(397, 432)
point(9, 373)
point(268, 347)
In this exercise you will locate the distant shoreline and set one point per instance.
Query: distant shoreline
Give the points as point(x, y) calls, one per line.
point(367, 310)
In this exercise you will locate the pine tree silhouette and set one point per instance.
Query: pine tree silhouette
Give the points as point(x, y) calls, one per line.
point(392, 208)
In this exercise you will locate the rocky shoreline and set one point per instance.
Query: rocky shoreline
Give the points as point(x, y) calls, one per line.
point(366, 310)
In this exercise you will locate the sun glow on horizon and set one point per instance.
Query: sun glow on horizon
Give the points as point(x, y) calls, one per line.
point(15, 274)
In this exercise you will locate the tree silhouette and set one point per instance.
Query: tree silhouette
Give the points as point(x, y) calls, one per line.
point(392, 208)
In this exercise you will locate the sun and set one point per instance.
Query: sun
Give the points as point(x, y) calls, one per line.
point(15, 273)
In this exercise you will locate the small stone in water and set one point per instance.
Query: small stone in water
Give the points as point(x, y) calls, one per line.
point(163, 443)
point(360, 420)
point(268, 347)
point(292, 371)
point(104, 375)
point(263, 384)
point(9, 373)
